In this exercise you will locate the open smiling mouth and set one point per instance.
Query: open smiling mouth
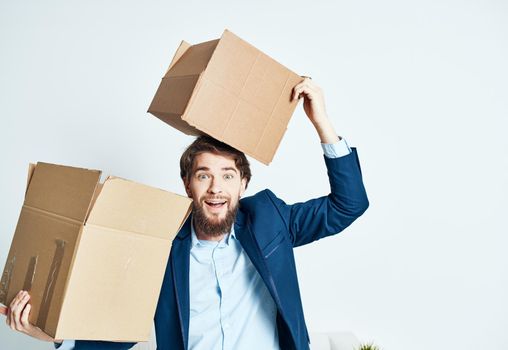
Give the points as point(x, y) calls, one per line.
point(215, 203)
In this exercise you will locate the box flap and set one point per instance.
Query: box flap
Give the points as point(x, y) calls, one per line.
point(62, 190)
point(179, 52)
point(31, 168)
point(194, 60)
point(177, 85)
point(173, 95)
point(133, 207)
point(39, 261)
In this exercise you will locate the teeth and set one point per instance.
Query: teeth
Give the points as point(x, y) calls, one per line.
point(215, 203)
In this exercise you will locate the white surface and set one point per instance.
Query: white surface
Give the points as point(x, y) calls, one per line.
point(319, 341)
point(333, 341)
point(419, 87)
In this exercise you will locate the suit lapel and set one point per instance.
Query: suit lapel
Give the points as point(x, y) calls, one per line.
point(245, 234)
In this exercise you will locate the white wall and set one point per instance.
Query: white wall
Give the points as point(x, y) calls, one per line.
point(420, 87)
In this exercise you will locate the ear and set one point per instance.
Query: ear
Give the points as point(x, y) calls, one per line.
point(186, 184)
point(243, 187)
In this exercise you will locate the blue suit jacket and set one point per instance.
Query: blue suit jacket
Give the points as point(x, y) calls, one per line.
point(268, 230)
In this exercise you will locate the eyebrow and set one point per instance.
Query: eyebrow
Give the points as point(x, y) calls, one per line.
point(201, 168)
point(204, 168)
point(229, 168)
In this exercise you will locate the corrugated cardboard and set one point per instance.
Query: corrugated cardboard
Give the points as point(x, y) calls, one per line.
point(91, 255)
point(229, 90)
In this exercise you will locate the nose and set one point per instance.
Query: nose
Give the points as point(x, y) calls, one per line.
point(215, 187)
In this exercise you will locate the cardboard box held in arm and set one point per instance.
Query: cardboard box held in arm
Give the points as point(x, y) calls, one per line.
point(91, 255)
point(230, 90)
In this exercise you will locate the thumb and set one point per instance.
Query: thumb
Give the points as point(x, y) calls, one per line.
point(3, 310)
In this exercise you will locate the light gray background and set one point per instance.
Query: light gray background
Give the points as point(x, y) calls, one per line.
point(420, 87)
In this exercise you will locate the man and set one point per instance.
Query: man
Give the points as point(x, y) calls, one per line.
point(231, 281)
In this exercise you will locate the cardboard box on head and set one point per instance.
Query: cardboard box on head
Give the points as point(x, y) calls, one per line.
point(230, 90)
point(91, 255)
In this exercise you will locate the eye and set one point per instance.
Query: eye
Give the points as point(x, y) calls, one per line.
point(228, 176)
point(202, 176)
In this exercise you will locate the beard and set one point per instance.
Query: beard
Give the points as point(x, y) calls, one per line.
point(213, 227)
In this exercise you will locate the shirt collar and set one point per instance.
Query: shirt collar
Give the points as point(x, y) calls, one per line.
point(197, 242)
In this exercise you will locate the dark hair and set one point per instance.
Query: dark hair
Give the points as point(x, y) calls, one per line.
point(207, 144)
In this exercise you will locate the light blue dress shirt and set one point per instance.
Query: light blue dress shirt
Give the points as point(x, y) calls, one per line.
point(230, 306)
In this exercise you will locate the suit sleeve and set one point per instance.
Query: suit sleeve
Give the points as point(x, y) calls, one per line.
point(321, 217)
point(65, 345)
point(98, 345)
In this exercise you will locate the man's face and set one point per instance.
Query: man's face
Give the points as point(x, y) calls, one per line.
point(215, 185)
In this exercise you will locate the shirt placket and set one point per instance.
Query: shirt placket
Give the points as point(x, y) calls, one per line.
point(219, 261)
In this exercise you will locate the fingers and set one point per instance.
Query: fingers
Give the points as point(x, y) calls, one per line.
point(14, 301)
point(18, 315)
point(3, 310)
point(24, 316)
point(307, 87)
point(297, 92)
point(15, 310)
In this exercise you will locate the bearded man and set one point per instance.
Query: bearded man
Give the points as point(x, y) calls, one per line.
point(230, 281)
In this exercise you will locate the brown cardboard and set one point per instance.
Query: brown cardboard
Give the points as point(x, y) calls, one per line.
point(230, 90)
point(91, 255)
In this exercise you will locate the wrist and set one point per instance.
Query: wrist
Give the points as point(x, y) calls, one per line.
point(320, 119)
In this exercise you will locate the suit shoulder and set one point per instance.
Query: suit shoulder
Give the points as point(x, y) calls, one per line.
point(263, 197)
point(265, 204)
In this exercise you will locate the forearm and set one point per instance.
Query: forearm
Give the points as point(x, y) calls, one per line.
point(314, 106)
point(327, 215)
point(325, 130)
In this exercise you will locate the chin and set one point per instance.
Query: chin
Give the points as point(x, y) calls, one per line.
point(214, 218)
